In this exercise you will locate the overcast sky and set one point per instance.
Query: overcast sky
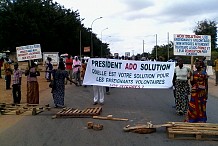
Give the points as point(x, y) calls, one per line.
point(129, 22)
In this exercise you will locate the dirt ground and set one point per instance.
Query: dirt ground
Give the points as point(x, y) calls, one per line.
point(6, 95)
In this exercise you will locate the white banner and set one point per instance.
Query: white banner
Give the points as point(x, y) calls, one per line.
point(192, 45)
point(129, 73)
point(29, 52)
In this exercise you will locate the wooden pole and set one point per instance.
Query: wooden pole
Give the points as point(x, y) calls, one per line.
point(192, 63)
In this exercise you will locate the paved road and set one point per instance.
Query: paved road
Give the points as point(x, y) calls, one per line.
point(138, 105)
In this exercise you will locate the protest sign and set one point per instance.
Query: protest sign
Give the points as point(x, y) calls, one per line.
point(129, 73)
point(29, 52)
point(53, 55)
point(192, 45)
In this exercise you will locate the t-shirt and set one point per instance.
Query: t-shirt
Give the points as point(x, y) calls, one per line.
point(69, 63)
point(182, 73)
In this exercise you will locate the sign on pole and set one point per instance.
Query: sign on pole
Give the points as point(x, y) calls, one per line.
point(29, 52)
point(192, 45)
point(86, 49)
point(53, 55)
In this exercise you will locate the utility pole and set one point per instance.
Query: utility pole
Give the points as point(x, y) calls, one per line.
point(156, 46)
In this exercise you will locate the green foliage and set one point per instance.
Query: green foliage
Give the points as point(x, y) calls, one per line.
point(26, 22)
point(162, 51)
point(207, 27)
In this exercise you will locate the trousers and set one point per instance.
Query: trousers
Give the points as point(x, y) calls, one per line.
point(98, 93)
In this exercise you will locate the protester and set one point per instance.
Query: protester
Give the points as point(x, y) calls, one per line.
point(108, 90)
point(46, 65)
point(32, 83)
point(98, 94)
point(182, 89)
point(16, 84)
point(49, 68)
point(69, 67)
point(8, 72)
point(83, 70)
point(197, 103)
point(216, 70)
point(1, 64)
point(76, 70)
point(58, 90)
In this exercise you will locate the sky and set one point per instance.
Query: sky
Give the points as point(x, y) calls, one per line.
point(131, 25)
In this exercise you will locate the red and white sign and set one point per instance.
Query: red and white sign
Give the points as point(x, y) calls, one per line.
point(29, 52)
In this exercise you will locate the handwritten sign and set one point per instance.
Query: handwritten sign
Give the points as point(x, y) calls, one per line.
point(29, 52)
point(129, 73)
point(192, 45)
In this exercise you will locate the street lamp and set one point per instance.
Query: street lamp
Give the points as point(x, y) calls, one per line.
point(91, 35)
point(101, 40)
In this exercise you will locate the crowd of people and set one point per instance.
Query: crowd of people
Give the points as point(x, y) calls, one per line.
point(186, 82)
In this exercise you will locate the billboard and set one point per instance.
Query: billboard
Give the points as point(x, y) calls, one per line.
point(192, 45)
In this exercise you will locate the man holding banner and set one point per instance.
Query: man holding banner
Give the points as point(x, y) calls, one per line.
point(127, 74)
point(98, 95)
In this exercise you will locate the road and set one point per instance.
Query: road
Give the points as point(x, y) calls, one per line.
point(138, 105)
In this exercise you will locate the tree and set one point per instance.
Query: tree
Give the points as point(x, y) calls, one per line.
point(162, 51)
point(207, 27)
point(45, 22)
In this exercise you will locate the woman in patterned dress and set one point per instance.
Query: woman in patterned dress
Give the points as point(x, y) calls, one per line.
point(58, 89)
point(197, 103)
point(32, 83)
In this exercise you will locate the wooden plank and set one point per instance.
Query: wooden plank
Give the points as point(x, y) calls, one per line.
point(193, 124)
point(109, 118)
point(197, 131)
point(99, 110)
point(90, 111)
point(192, 136)
point(87, 110)
point(95, 110)
point(196, 128)
point(68, 110)
point(75, 110)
